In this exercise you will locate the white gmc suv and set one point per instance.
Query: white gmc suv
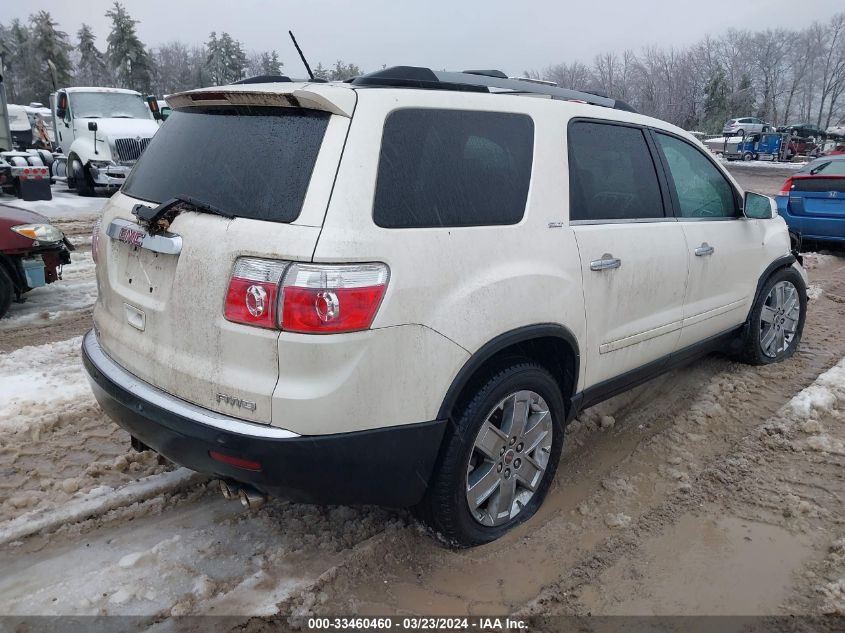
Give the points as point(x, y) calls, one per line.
point(399, 290)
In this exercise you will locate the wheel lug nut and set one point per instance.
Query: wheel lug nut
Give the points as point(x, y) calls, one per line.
point(517, 462)
point(507, 473)
point(519, 447)
point(513, 441)
point(502, 451)
point(499, 467)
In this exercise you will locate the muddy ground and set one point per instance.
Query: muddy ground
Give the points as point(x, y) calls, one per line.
point(715, 489)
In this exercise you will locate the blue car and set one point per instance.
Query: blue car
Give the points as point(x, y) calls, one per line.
point(813, 201)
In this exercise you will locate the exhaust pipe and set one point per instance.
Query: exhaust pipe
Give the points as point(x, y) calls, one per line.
point(229, 489)
point(251, 498)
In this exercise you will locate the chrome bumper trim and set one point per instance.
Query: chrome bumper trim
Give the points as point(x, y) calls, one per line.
point(156, 397)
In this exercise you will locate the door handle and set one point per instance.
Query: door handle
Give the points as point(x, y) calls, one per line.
point(704, 249)
point(606, 262)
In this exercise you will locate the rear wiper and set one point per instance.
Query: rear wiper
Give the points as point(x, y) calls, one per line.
point(204, 206)
point(158, 218)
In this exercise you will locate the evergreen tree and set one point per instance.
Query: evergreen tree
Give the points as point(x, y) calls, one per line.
point(226, 59)
point(127, 56)
point(270, 64)
point(342, 72)
point(91, 69)
point(742, 100)
point(716, 101)
point(47, 44)
point(18, 63)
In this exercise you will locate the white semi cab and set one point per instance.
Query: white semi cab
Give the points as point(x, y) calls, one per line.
point(102, 132)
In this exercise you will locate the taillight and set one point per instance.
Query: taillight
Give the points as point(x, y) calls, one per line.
point(253, 292)
point(305, 298)
point(787, 187)
point(332, 298)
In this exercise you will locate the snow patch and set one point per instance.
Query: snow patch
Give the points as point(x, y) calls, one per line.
point(64, 203)
point(822, 395)
point(97, 502)
point(37, 380)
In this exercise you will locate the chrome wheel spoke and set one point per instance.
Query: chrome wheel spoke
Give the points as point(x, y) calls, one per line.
point(516, 414)
point(790, 325)
point(767, 315)
point(491, 441)
point(529, 474)
point(768, 338)
point(791, 301)
point(780, 341)
point(536, 432)
point(485, 484)
point(502, 504)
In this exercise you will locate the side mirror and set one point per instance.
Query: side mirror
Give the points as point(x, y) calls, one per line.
point(92, 126)
point(152, 102)
point(759, 207)
point(61, 105)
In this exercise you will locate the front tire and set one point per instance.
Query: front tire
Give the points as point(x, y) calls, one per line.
point(499, 456)
point(774, 327)
point(82, 181)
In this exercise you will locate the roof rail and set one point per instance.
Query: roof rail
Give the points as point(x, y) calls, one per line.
point(270, 79)
point(480, 81)
point(413, 77)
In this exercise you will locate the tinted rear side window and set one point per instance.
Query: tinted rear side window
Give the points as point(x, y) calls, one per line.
point(611, 174)
point(453, 168)
point(253, 162)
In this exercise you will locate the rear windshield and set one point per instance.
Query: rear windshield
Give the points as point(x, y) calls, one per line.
point(252, 162)
point(828, 168)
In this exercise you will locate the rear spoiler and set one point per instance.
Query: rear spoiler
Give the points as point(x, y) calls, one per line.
point(340, 101)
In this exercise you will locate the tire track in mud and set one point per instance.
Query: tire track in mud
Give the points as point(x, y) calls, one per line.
point(636, 458)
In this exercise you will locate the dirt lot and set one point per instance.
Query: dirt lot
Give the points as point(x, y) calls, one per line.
point(715, 489)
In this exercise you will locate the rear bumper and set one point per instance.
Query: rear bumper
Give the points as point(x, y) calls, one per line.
point(386, 466)
point(809, 227)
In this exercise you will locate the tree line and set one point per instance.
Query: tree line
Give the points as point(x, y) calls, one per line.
point(25, 48)
point(782, 75)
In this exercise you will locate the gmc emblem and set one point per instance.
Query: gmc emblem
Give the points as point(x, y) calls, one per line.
point(131, 236)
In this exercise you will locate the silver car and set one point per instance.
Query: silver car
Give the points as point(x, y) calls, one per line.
point(744, 125)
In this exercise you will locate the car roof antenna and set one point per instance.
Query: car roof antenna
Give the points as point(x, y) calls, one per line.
point(301, 56)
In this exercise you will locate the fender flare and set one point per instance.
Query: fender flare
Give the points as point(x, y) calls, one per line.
point(501, 342)
point(83, 148)
point(780, 262)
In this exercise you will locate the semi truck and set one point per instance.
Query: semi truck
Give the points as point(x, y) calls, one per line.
point(100, 134)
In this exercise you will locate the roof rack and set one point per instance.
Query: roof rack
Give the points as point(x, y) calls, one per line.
point(480, 81)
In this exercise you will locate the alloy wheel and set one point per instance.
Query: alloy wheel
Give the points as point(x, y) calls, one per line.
point(509, 458)
point(779, 319)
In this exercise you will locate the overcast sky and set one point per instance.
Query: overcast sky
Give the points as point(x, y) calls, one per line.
point(456, 34)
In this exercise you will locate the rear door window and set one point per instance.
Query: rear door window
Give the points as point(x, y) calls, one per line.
point(252, 162)
point(442, 168)
point(611, 174)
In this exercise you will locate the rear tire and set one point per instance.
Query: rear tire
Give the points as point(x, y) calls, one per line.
point(774, 327)
point(497, 449)
point(7, 292)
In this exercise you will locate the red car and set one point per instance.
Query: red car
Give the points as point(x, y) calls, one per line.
point(32, 252)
